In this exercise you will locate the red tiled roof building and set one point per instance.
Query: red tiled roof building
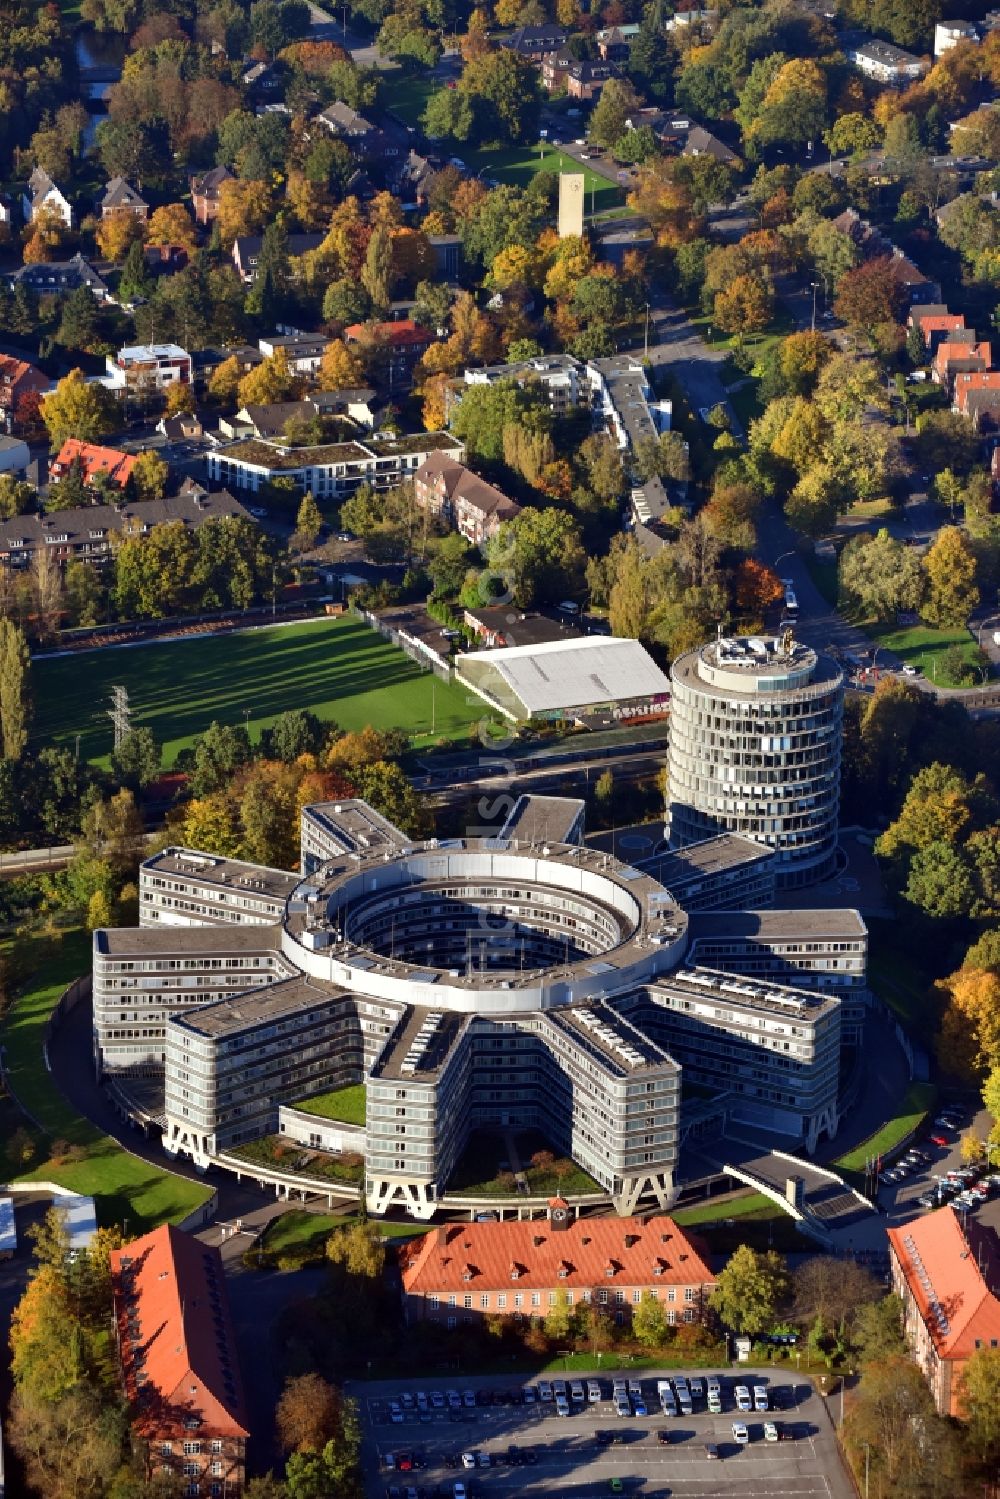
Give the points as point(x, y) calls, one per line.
point(178, 1361)
point(461, 1273)
point(945, 1277)
point(95, 460)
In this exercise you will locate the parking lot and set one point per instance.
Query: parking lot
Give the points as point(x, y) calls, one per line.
point(592, 1451)
point(899, 1194)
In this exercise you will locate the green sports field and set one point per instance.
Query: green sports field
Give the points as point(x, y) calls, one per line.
point(337, 668)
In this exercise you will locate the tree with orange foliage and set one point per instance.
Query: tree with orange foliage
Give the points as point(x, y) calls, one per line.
point(667, 204)
point(968, 1044)
point(476, 41)
point(314, 58)
point(755, 587)
point(434, 412)
point(338, 369)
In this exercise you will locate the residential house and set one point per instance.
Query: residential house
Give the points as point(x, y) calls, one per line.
point(960, 353)
point(42, 196)
point(935, 323)
point(269, 422)
point(18, 379)
point(918, 289)
point(464, 1273)
point(380, 145)
point(120, 199)
point(501, 626)
point(871, 242)
point(948, 1277)
point(405, 340)
point(948, 34)
point(328, 470)
point(207, 361)
point(701, 142)
point(614, 43)
point(179, 1366)
point(969, 390)
point(982, 407)
point(411, 179)
point(60, 276)
point(692, 17)
point(304, 351)
point(205, 193)
point(536, 42)
point(182, 427)
point(886, 63)
point(585, 80)
point(246, 251)
point(146, 367)
point(94, 460)
point(461, 498)
point(83, 533)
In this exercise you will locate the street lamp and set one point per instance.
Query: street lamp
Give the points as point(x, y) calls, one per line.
point(815, 289)
point(867, 1456)
point(645, 343)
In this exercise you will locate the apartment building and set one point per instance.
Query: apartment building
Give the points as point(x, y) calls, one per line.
point(84, 532)
point(329, 470)
point(462, 1273)
point(448, 489)
point(178, 1362)
point(149, 367)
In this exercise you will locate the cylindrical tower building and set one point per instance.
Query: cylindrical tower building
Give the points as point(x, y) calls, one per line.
point(755, 732)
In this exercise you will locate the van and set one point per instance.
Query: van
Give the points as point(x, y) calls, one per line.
point(568, 607)
point(593, 1392)
point(622, 1407)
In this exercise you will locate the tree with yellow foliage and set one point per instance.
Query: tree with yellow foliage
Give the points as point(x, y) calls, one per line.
point(180, 400)
point(308, 200)
point(338, 368)
point(434, 412)
point(572, 259)
point(268, 382)
point(244, 208)
point(968, 1044)
point(667, 204)
point(223, 383)
point(116, 233)
point(172, 225)
point(745, 306)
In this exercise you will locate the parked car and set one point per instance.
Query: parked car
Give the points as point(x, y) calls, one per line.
point(740, 1433)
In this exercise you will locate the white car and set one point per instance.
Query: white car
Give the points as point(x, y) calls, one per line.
point(743, 1401)
point(458, 1491)
point(562, 1405)
point(740, 1433)
point(468, 1459)
point(635, 1387)
point(454, 1400)
point(593, 1392)
point(697, 1389)
point(714, 1403)
point(622, 1407)
point(388, 1460)
point(544, 1390)
point(529, 1394)
point(559, 1388)
point(909, 671)
point(396, 1412)
point(469, 1399)
point(760, 1398)
point(770, 1431)
point(576, 1392)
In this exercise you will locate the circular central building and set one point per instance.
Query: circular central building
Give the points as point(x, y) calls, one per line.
point(755, 735)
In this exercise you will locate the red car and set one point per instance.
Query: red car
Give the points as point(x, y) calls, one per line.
point(939, 1140)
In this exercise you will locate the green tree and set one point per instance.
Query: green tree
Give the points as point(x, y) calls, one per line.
point(541, 555)
point(15, 697)
point(618, 100)
point(388, 789)
point(136, 761)
point(449, 564)
point(940, 882)
point(979, 1395)
point(80, 322)
point(649, 1322)
point(295, 732)
point(559, 1319)
point(749, 1290)
point(218, 754)
point(308, 524)
point(134, 281)
point(879, 576)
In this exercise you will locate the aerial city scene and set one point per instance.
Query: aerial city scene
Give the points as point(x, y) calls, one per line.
point(499, 749)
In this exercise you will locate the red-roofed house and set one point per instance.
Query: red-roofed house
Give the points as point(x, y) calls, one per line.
point(463, 1272)
point(969, 381)
point(178, 1361)
point(405, 340)
point(95, 460)
point(447, 488)
point(945, 1278)
point(18, 379)
point(935, 325)
point(961, 355)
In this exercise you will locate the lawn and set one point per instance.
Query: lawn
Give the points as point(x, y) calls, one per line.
point(128, 1190)
point(407, 94)
point(923, 647)
point(345, 1104)
point(899, 978)
point(275, 1152)
point(718, 1208)
point(917, 1103)
point(515, 166)
point(338, 668)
